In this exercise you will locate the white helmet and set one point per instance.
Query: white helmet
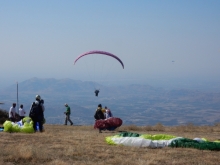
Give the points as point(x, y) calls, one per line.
point(38, 97)
point(66, 104)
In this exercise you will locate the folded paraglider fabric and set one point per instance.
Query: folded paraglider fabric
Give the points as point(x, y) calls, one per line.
point(7, 126)
point(110, 123)
point(25, 126)
point(129, 134)
point(158, 136)
point(189, 143)
point(138, 140)
point(161, 140)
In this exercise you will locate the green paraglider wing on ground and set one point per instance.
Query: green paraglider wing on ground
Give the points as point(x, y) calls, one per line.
point(189, 143)
point(161, 140)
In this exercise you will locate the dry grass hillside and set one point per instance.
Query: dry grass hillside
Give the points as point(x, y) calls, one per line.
point(82, 145)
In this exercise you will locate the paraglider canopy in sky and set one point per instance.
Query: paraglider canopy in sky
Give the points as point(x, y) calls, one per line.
point(98, 67)
point(101, 53)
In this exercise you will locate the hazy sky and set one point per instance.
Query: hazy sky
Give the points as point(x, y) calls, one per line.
point(156, 40)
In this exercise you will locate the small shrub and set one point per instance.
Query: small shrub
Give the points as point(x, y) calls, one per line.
point(147, 128)
point(133, 128)
point(130, 128)
point(3, 116)
point(159, 127)
point(217, 124)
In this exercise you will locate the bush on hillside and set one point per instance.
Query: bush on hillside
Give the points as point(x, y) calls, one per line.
point(3, 116)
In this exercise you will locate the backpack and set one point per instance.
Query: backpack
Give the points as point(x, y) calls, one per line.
point(96, 116)
point(35, 110)
point(99, 115)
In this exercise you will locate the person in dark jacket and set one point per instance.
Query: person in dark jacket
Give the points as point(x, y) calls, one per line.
point(99, 114)
point(38, 114)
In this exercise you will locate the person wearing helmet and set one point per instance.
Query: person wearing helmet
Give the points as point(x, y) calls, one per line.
point(12, 113)
point(67, 113)
point(99, 115)
point(38, 97)
point(37, 113)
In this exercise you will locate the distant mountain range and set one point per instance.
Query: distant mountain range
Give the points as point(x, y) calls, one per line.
point(134, 104)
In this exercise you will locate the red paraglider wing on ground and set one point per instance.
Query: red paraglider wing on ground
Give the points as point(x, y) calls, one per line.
point(102, 53)
point(107, 123)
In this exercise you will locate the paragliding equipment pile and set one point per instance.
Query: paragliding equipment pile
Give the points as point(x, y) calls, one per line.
point(25, 126)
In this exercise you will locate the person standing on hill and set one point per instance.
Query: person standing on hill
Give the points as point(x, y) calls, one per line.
point(21, 112)
point(67, 113)
point(108, 113)
point(43, 108)
point(99, 115)
point(37, 113)
point(12, 112)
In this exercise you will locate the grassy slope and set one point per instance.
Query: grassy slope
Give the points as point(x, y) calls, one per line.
point(64, 145)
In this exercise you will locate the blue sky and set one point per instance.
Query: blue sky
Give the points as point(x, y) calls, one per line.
point(43, 38)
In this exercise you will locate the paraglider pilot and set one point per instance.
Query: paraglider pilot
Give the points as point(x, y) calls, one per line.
point(96, 92)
